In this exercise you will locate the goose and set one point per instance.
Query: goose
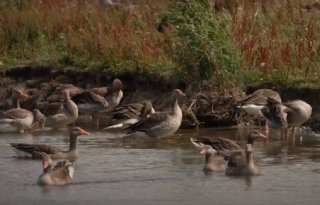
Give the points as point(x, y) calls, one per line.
point(60, 174)
point(213, 162)
point(61, 114)
point(160, 124)
point(241, 162)
point(253, 103)
point(289, 114)
point(215, 149)
point(91, 103)
point(128, 114)
point(20, 120)
point(30, 150)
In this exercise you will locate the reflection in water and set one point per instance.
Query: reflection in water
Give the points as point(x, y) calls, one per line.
point(113, 169)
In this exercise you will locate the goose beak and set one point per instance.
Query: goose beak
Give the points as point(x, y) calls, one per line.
point(23, 94)
point(84, 132)
point(249, 148)
point(45, 164)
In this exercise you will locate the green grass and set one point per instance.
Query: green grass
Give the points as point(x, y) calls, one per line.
point(274, 41)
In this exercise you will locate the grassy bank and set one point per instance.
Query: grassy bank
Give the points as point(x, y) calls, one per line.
point(270, 40)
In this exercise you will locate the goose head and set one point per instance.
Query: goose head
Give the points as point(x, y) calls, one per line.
point(46, 160)
point(117, 85)
point(77, 131)
point(66, 93)
point(207, 150)
point(146, 109)
point(18, 93)
point(254, 135)
point(176, 94)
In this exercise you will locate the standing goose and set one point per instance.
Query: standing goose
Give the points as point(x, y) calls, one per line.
point(20, 120)
point(160, 124)
point(284, 115)
point(30, 150)
point(215, 149)
point(126, 115)
point(60, 174)
point(61, 114)
point(241, 162)
point(91, 103)
point(254, 102)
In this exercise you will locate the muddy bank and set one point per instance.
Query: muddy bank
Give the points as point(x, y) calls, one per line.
point(207, 106)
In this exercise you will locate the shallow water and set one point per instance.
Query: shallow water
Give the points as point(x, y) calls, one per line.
point(116, 170)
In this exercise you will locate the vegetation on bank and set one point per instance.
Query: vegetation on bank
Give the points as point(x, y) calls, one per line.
point(241, 41)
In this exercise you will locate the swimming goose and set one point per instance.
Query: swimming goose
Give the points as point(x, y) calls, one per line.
point(91, 103)
point(254, 102)
point(30, 150)
point(284, 115)
point(241, 162)
point(126, 115)
point(160, 124)
point(61, 114)
point(60, 174)
point(213, 161)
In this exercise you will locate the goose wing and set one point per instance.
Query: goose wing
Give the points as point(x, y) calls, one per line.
point(34, 148)
point(153, 120)
point(16, 113)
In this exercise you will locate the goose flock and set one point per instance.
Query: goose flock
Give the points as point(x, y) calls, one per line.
point(60, 105)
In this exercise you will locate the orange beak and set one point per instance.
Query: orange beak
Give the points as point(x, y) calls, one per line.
point(23, 94)
point(45, 164)
point(84, 132)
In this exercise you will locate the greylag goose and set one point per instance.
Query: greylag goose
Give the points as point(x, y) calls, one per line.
point(254, 102)
point(215, 150)
point(241, 162)
point(284, 115)
point(91, 103)
point(160, 124)
point(213, 161)
point(20, 120)
point(61, 114)
point(126, 115)
point(60, 174)
point(30, 150)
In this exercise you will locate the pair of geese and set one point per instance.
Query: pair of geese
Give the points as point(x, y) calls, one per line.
point(217, 150)
point(267, 104)
point(155, 124)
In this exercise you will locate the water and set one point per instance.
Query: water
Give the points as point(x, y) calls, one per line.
point(116, 170)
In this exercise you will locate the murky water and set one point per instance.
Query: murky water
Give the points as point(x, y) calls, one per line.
point(116, 170)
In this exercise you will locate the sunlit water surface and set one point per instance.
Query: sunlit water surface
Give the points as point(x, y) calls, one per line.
point(116, 170)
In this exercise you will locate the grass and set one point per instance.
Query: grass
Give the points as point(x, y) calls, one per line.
point(275, 41)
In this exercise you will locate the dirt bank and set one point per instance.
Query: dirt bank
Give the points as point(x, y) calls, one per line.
point(207, 106)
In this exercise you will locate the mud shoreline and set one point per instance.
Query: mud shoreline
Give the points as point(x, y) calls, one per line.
point(204, 107)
